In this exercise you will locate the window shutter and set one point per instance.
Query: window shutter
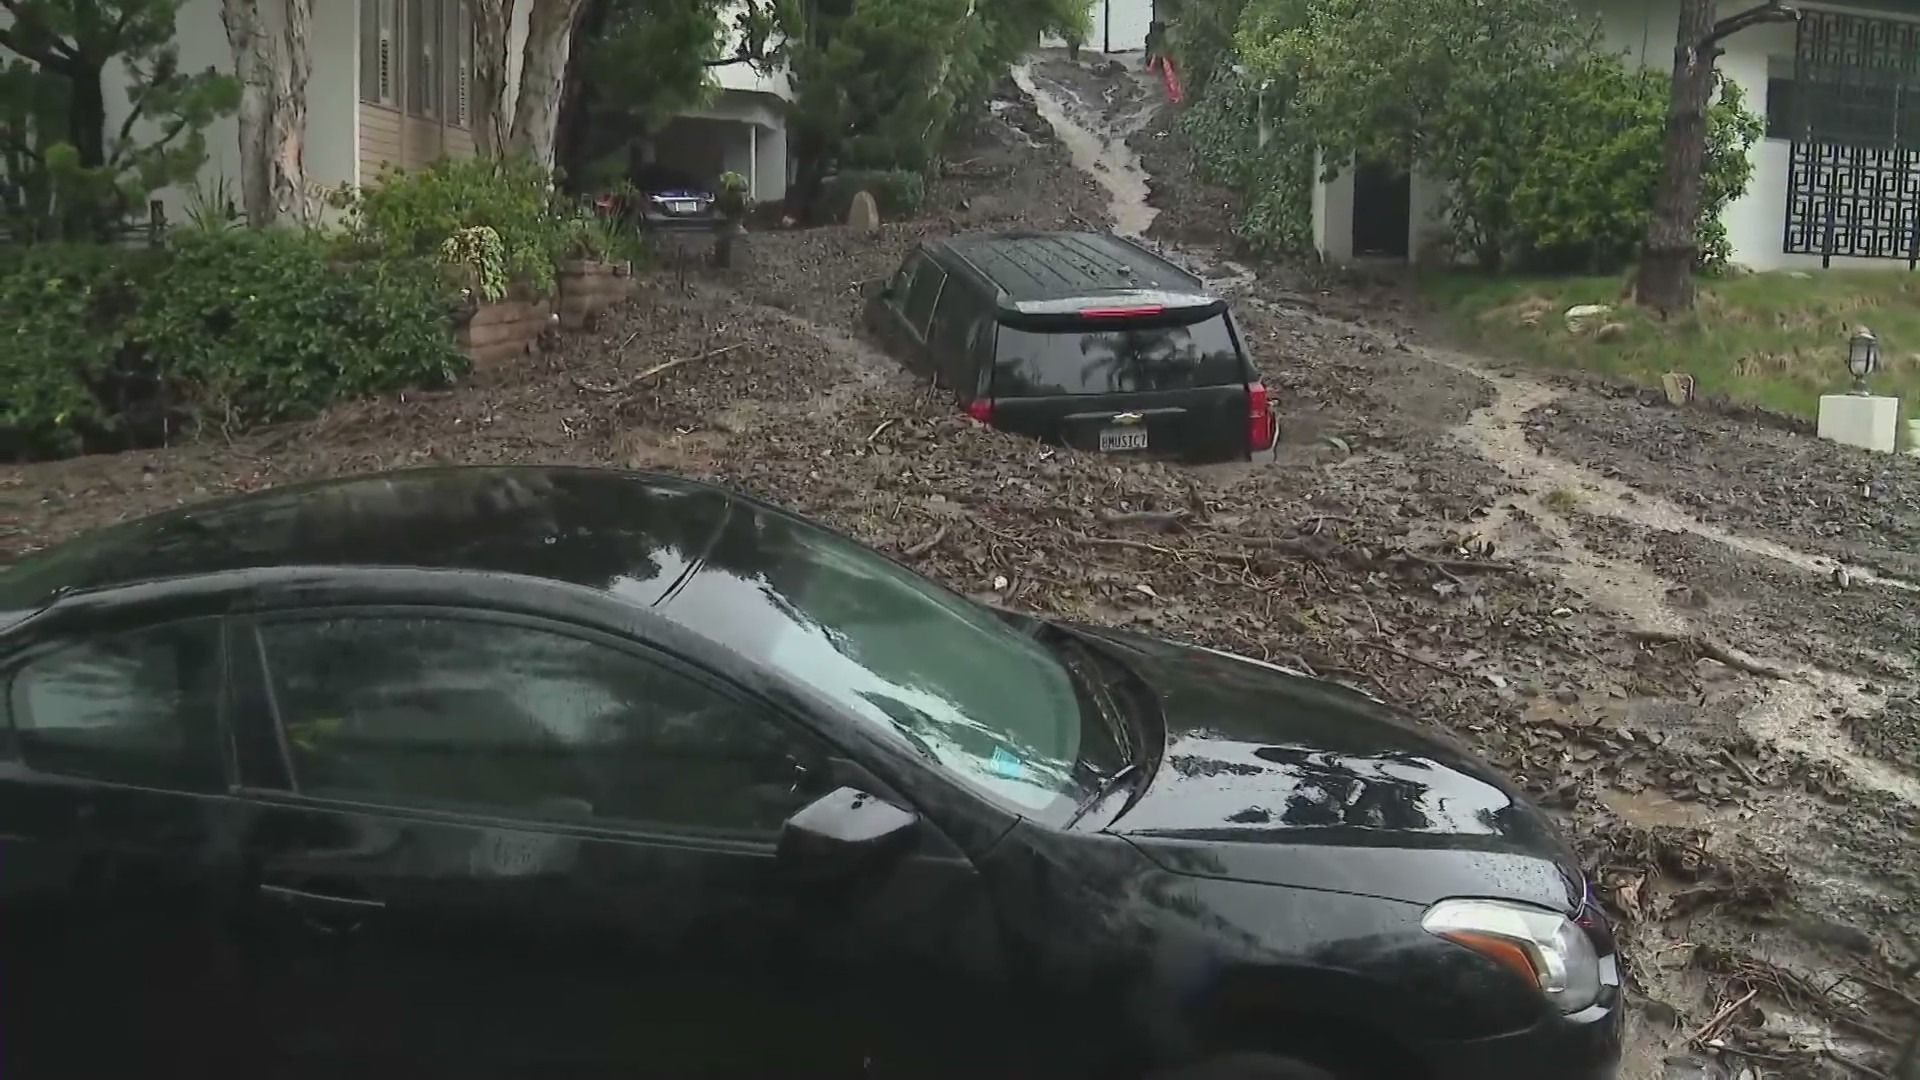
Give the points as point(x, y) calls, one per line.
point(429, 103)
point(463, 94)
point(386, 46)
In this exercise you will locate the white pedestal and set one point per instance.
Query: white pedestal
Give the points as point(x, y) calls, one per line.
point(1870, 423)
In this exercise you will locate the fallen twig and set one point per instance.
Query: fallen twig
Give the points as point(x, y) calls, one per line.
point(1409, 657)
point(929, 543)
point(628, 384)
point(1160, 519)
point(1114, 541)
point(1712, 650)
point(1752, 778)
point(1459, 566)
point(884, 425)
point(1863, 1070)
point(1710, 1029)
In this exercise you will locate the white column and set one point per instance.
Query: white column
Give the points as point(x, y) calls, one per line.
point(753, 161)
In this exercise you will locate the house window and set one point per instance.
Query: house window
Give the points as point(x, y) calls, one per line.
point(425, 38)
point(1840, 108)
point(1780, 108)
point(458, 50)
point(379, 41)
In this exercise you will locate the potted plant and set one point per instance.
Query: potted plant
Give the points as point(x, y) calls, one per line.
point(731, 205)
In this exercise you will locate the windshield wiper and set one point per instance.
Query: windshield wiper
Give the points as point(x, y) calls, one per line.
point(1128, 776)
point(1082, 665)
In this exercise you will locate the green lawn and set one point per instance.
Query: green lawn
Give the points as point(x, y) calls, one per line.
point(1775, 339)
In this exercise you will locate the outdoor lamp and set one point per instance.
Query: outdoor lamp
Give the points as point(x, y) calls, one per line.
point(1863, 355)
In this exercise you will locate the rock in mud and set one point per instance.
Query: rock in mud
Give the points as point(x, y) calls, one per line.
point(864, 214)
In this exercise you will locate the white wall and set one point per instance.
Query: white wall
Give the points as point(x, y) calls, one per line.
point(1644, 32)
point(333, 95)
point(516, 50)
point(1118, 25)
point(770, 166)
point(717, 138)
point(1333, 215)
point(203, 43)
point(747, 77)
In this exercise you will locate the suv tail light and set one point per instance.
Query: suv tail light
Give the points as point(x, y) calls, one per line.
point(1260, 427)
point(1121, 312)
point(981, 409)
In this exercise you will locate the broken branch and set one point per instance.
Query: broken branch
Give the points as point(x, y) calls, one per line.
point(1159, 519)
point(1733, 24)
point(1712, 1026)
point(628, 384)
point(1409, 657)
point(1712, 650)
point(929, 543)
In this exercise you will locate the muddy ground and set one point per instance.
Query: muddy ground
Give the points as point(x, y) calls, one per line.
point(1634, 611)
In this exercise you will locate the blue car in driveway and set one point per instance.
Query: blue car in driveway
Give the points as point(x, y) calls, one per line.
point(673, 198)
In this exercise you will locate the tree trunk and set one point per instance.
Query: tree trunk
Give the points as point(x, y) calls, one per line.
point(287, 140)
point(577, 96)
point(491, 19)
point(253, 66)
point(1666, 262)
point(536, 108)
point(87, 115)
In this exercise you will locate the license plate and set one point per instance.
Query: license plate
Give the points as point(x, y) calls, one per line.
point(1123, 439)
point(683, 206)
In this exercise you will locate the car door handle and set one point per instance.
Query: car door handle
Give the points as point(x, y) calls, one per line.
point(319, 900)
point(327, 914)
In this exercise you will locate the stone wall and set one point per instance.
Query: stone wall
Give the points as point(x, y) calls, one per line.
point(589, 288)
point(505, 330)
point(513, 327)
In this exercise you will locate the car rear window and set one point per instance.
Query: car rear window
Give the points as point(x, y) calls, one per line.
point(1114, 357)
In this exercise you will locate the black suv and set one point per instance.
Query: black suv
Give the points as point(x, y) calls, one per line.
point(1084, 339)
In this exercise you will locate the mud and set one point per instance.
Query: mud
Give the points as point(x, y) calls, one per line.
point(1688, 636)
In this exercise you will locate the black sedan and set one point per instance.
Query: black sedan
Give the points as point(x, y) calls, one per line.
point(547, 772)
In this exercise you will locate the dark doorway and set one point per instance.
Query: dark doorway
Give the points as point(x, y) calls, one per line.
point(1382, 211)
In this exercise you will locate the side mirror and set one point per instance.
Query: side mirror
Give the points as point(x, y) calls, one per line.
point(841, 833)
point(875, 289)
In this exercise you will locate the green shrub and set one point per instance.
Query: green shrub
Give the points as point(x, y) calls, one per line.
point(413, 213)
point(64, 308)
point(1591, 154)
point(112, 348)
point(1223, 127)
point(259, 326)
point(896, 192)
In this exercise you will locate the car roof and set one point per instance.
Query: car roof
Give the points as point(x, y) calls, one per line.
point(1040, 266)
point(634, 533)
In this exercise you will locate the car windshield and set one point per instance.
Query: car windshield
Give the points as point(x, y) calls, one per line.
point(963, 686)
point(1114, 357)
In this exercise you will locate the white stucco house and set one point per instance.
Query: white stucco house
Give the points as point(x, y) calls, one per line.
point(1836, 178)
point(742, 128)
point(391, 86)
point(1119, 26)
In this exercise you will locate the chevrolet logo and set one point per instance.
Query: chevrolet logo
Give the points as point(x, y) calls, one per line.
point(1128, 418)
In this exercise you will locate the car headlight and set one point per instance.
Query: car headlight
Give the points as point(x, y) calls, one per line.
point(1546, 948)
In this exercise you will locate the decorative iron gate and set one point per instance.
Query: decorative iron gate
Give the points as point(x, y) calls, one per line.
point(1853, 177)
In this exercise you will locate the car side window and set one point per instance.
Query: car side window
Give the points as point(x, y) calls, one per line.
point(922, 296)
point(134, 708)
point(523, 722)
point(953, 319)
point(903, 279)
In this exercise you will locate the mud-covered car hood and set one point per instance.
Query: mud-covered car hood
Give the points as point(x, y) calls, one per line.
point(1274, 776)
